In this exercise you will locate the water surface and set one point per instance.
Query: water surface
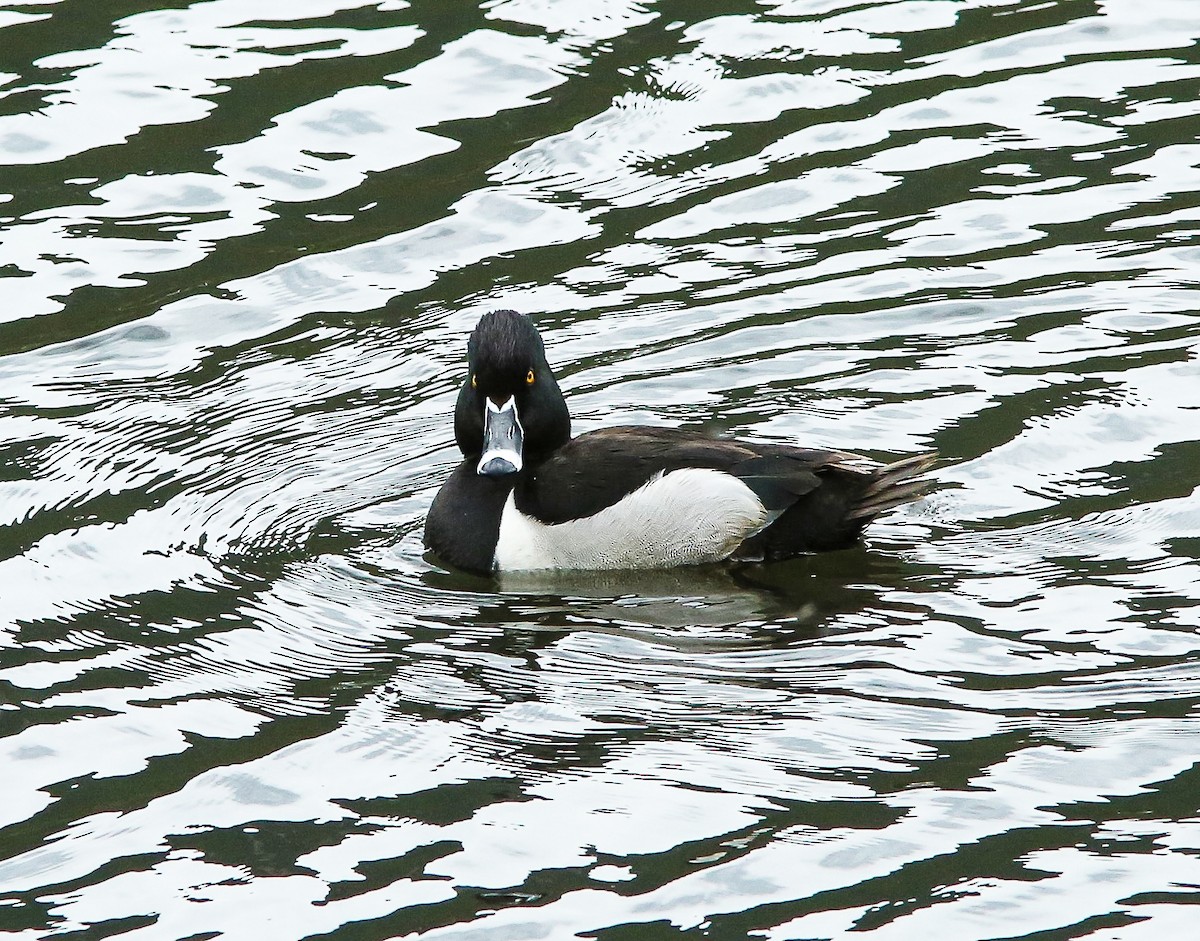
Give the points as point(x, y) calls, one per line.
point(241, 247)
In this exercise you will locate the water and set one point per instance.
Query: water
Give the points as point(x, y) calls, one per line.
point(242, 244)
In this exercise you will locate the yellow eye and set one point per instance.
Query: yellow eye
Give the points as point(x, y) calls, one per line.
point(529, 378)
point(474, 384)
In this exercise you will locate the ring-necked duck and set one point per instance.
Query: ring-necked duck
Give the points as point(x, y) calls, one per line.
point(529, 496)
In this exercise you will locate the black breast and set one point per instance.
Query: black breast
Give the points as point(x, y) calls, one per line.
point(463, 524)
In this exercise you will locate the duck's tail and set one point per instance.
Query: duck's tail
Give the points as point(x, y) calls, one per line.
point(834, 501)
point(893, 485)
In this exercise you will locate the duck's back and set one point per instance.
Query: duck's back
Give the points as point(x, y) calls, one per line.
point(807, 500)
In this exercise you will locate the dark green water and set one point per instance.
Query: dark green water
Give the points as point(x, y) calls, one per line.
point(241, 247)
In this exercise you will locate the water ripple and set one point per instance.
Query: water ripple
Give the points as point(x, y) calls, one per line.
point(240, 698)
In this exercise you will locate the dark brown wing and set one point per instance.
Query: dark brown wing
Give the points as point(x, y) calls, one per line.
point(597, 469)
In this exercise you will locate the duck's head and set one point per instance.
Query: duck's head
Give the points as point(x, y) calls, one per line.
point(510, 411)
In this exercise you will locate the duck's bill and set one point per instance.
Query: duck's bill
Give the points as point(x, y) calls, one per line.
point(503, 439)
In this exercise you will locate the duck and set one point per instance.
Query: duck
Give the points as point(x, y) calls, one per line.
point(527, 496)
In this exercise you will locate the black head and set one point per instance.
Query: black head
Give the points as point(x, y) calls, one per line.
point(506, 362)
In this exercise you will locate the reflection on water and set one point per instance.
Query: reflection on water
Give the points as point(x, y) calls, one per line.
point(242, 247)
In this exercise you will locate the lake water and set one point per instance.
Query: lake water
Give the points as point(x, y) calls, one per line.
point(242, 244)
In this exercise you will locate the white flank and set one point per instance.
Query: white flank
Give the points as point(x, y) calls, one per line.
point(686, 517)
